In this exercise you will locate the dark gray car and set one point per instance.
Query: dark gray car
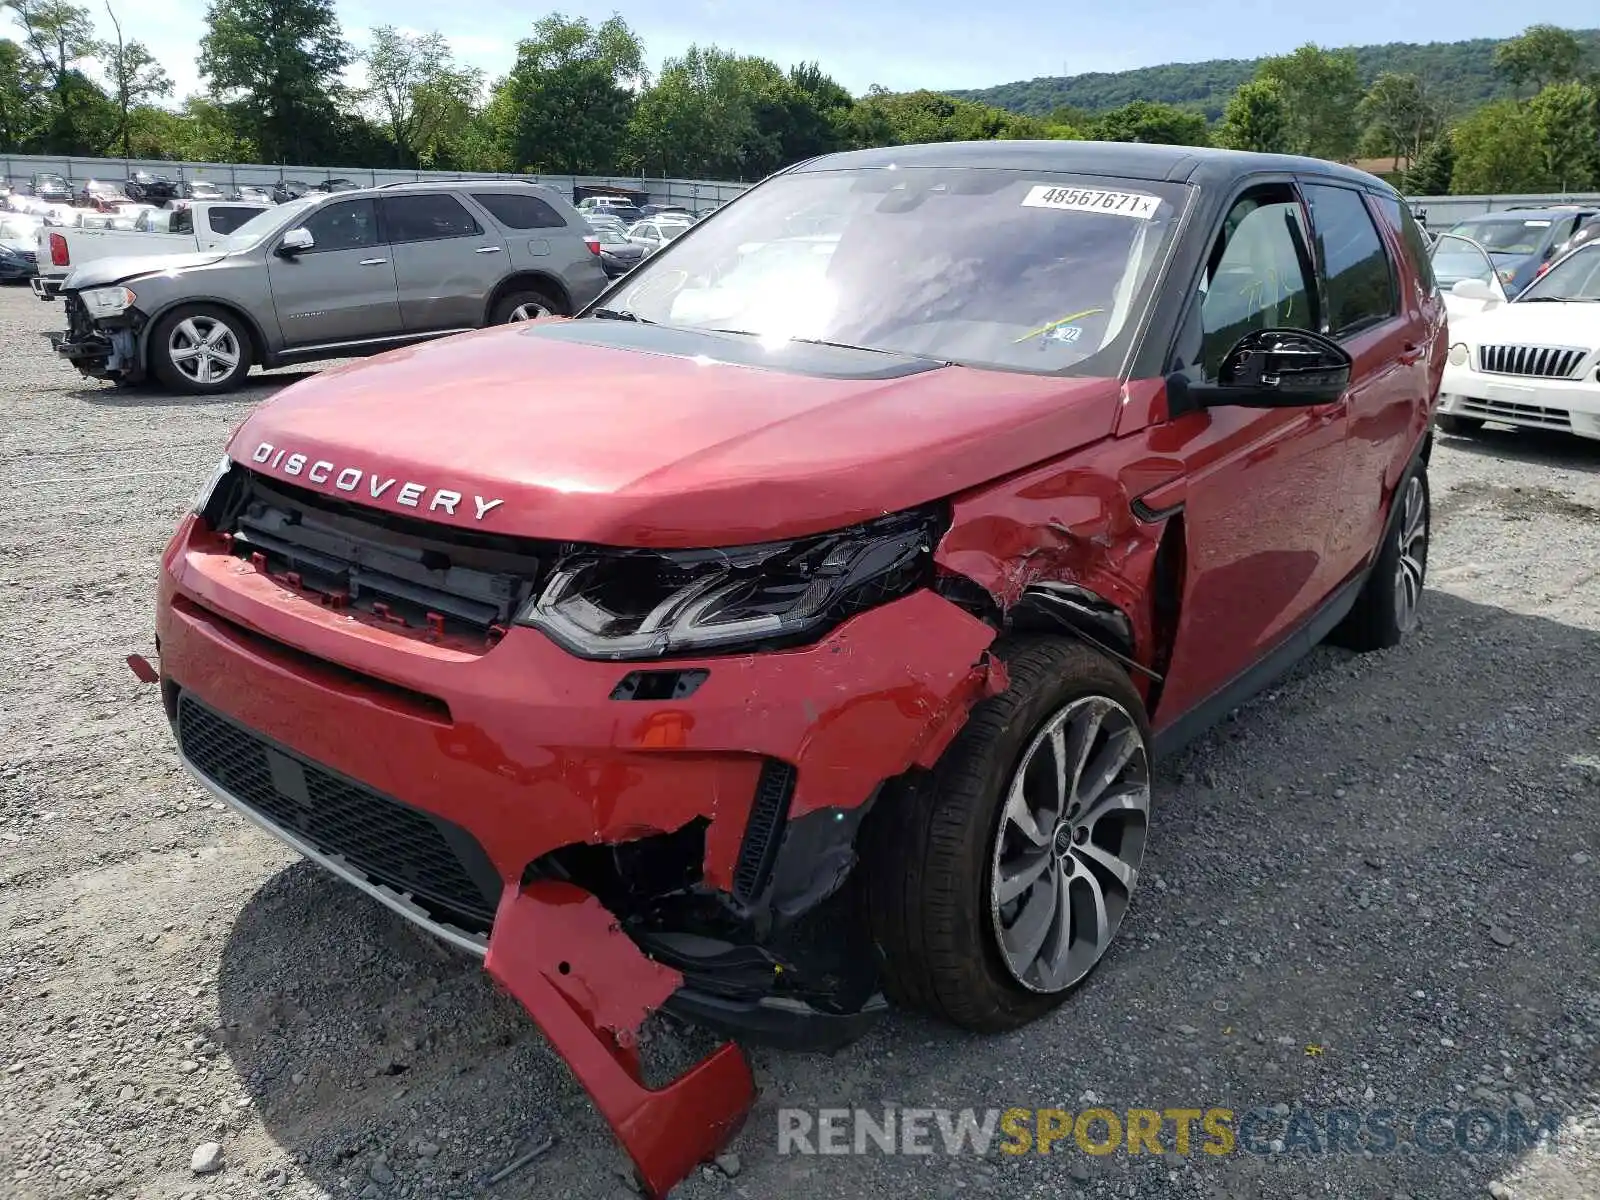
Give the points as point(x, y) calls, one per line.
point(332, 276)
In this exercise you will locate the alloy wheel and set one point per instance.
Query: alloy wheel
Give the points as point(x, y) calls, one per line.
point(532, 310)
point(204, 349)
point(1412, 565)
point(1071, 839)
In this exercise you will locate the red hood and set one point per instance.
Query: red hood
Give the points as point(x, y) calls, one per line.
point(623, 447)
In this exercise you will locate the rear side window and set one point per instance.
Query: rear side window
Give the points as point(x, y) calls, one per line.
point(426, 219)
point(519, 212)
point(1411, 236)
point(1360, 281)
point(226, 220)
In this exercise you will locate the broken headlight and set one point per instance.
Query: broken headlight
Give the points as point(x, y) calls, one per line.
point(639, 604)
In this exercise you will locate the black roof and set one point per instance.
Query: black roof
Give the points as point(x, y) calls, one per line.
point(1117, 160)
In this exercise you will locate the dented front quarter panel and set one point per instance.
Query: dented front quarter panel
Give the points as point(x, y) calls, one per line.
point(1068, 521)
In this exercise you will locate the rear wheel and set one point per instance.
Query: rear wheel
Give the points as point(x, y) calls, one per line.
point(200, 350)
point(1391, 600)
point(525, 304)
point(1457, 426)
point(996, 884)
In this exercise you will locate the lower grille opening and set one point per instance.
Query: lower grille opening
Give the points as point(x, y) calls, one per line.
point(439, 865)
point(763, 832)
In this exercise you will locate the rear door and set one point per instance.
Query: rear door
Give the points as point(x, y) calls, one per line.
point(343, 288)
point(445, 262)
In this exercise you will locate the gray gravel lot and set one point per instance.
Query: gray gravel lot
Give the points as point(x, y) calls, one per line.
point(1374, 887)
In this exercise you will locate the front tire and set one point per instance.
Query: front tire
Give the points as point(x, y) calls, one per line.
point(200, 350)
point(996, 884)
point(1391, 600)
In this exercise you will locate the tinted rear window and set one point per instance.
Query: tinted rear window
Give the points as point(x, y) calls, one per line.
point(1417, 249)
point(519, 212)
point(226, 220)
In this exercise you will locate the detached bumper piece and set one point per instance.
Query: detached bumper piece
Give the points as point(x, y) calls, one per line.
point(563, 956)
point(555, 947)
point(47, 287)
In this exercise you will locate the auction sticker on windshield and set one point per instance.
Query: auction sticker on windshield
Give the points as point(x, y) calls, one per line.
point(1125, 204)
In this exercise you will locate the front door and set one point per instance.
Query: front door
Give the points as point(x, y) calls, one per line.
point(445, 264)
point(1260, 486)
point(341, 289)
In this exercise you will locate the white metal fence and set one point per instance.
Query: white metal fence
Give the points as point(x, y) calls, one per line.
point(16, 168)
point(1444, 211)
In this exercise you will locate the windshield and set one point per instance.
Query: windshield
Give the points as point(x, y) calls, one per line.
point(1575, 277)
point(267, 222)
point(51, 181)
point(1017, 270)
point(1506, 236)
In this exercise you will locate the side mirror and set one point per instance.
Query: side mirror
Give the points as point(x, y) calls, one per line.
point(295, 241)
point(1270, 368)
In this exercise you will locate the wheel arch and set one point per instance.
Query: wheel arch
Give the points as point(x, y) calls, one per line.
point(544, 281)
point(260, 351)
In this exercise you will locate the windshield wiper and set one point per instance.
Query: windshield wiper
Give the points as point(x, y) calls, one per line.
point(837, 345)
point(620, 314)
point(1545, 299)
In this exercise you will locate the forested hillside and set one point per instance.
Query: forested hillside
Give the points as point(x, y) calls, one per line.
point(1465, 71)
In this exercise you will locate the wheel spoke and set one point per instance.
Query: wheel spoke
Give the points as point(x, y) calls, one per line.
point(1027, 934)
point(1021, 874)
point(1114, 756)
point(1085, 731)
point(189, 330)
point(1058, 759)
point(226, 354)
point(216, 333)
point(1019, 814)
point(1130, 799)
point(184, 353)
point(1093, 856)
point(1057, 950)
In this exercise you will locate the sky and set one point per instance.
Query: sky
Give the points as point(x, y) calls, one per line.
point(901, 44)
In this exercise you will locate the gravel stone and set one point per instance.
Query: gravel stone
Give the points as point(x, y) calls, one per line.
point(1467, 757)
point(207, 1159)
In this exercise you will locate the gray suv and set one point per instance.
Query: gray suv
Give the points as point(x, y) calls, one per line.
point(332, 276)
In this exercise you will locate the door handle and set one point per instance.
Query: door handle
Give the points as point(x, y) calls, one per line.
point(1410, 352)
point(373, 262)
point(487, 250)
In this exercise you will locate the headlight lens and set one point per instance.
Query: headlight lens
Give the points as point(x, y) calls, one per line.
point(107, 302)
point(1458, 355)
point(203, 497)
point(642, 604)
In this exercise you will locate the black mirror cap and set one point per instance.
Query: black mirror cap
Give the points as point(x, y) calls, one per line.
point(1270, 368)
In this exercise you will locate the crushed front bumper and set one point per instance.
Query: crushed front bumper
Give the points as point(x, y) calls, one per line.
point(100, 349)
point(372, 753)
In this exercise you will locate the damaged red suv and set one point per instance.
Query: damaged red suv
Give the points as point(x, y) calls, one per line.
point(796, 626)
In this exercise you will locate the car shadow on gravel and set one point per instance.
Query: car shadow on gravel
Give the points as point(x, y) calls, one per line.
point(258, 387)
point(1365, 890)
point(1540, 447)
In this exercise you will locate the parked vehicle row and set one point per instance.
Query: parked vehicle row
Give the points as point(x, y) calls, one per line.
point(331, 275)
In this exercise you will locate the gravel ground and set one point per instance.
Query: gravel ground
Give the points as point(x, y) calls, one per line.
point(1374, 887)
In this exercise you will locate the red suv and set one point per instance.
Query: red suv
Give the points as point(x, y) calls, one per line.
point(797, 625)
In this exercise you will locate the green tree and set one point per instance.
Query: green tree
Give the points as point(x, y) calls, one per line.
point(565, 106)
point(277, 63)
point(1151, 122)
point(24, 99)
point(1497, 150)
point(135, 77)
point(1430, 172)
point(60, 38)
point(1542, 55)
point(1321, 91)
point(1398, 114)
point(1566, 119)
point(1256, 118)
point(423, 100)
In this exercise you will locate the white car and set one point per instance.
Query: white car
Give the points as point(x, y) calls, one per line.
point(1533, 361)
point(655, 232)
point(1460, 265)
